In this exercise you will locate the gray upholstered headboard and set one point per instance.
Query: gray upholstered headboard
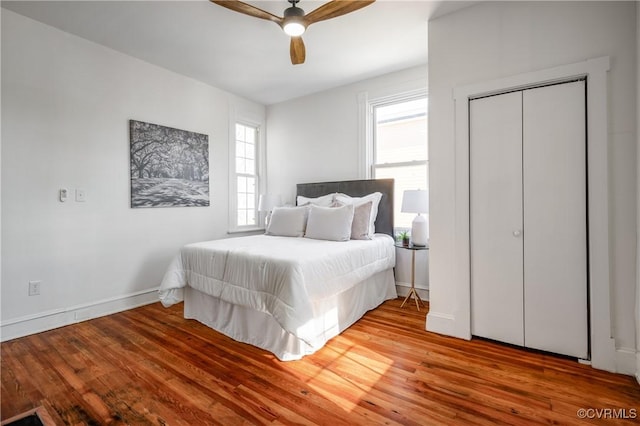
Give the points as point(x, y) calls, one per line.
point(358, 188)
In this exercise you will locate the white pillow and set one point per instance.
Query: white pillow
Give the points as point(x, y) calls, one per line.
point(374, 197)
point(288, 221)
point(330, 223)
point(361, 225)
point(325, 200)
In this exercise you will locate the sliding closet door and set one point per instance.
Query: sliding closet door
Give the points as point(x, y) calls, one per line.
point(496, 217)
point(555, 220)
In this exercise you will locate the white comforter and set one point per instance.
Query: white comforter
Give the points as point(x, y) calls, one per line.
point(282, 276)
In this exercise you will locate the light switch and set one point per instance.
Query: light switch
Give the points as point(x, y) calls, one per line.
point(64, 195)
point(80, 195)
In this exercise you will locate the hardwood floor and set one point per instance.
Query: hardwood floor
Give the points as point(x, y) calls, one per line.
point(151, 366)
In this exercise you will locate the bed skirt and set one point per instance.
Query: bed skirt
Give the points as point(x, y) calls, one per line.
point(260, 329)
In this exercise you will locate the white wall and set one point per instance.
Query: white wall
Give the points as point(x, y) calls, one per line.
point(1, 13)
point(318, 138)
point(500, 39)
point(66, 103)
point(638, 193)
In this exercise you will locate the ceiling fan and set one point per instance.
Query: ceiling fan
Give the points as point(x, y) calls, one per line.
point(295, 22)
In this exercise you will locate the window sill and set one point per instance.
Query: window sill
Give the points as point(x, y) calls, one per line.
point(246, 230)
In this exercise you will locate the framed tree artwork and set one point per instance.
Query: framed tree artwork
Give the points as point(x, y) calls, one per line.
point(169, 167)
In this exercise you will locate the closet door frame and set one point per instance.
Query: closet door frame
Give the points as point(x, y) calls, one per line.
point(603, 353)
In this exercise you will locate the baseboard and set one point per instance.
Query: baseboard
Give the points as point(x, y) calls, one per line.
point(402, 289)
point(44, 321)
point(442, 323)
point(626, 359)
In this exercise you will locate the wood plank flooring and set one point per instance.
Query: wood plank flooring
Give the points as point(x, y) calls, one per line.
point(149, 366)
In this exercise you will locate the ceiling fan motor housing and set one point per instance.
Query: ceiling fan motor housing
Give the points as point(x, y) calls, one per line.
point(293, 21)
point(293, 12)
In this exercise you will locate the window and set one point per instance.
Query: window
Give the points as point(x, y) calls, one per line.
point(399, 147)
point(245, 178)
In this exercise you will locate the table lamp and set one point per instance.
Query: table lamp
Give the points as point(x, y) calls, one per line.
point(417, 201)
point(266, 203)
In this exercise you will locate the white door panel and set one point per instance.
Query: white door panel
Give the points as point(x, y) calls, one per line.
point(555, 222)
point(495, 182)
point(528, 223)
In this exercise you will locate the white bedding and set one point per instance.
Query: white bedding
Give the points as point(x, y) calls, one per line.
point(285, 277)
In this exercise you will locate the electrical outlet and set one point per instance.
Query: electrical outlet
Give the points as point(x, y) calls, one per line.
point(34, 288)
point(81, 195)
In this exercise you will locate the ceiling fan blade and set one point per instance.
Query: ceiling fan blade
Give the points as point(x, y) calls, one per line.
point(334, 9)
point(297, 51)
point(247, 9)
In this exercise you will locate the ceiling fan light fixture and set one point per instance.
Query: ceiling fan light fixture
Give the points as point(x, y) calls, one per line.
point(294, 29)
point(294, 24)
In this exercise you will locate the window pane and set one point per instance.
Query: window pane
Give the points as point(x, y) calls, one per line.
point(401, 132)
point(250, 135)
point(239, 132)
point(240, 165)
point(400, 137)
point(250, 151)
point(242, 201)
point(407, 177)
point(251, 185)
point(251, 217)
point(242, 184)
point(245, 155)
point(242, 218)
point(246, 139)
point(240, 149)
point(249, 166)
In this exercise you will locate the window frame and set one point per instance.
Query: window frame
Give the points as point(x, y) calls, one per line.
point(258, 125)
point(369, 165)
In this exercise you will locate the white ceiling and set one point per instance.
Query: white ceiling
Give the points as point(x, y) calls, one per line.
point(249, 56)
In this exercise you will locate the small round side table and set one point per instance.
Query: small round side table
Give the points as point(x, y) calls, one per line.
point(413, 291)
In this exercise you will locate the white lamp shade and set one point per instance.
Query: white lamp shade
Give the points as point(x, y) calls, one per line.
point(268, 201)
point(415, 201)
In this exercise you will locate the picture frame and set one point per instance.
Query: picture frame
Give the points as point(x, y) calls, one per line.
point(169, 167)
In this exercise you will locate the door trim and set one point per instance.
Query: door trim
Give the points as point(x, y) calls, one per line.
point(603, 353)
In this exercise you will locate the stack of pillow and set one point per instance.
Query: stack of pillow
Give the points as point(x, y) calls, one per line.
point(333, 217)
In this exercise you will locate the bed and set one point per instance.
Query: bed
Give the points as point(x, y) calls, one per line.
point(285, 294)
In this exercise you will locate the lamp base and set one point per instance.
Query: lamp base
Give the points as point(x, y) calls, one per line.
point(419, 231)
